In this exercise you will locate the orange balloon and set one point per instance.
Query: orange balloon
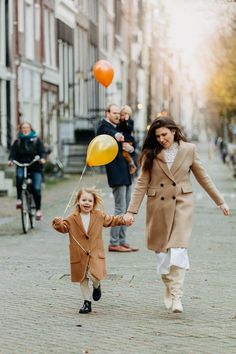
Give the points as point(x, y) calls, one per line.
point(103, 72)
point(101, 150)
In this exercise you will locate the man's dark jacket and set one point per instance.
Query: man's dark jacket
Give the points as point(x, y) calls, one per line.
point(117, 170)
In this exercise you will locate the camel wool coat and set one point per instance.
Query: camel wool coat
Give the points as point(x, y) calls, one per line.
point(86, 248)
point(169, 193)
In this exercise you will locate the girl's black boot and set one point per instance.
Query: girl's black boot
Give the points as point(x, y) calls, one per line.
point(86, 308)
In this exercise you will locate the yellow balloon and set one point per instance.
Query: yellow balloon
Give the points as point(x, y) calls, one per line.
point(101, 150)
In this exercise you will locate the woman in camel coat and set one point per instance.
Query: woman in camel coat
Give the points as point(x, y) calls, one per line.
point(167, 161)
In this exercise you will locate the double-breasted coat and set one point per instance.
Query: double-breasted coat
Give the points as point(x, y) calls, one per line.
point(169, 193)
point(86, 247)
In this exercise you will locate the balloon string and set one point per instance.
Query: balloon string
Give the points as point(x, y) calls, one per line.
point(72, 195)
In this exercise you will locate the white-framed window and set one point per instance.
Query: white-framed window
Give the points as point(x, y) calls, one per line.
point(46, 37)
point(29, 31)
point(3, 113)
point(61, 73)
point(2, 33)
point(49, 38)
point(92, 84)
point(93, 10)
point(82, 73)
point(110, 6)
point(36, 87)
point(83, 6)
point(65, 78)
point(21, 15)
point(53, 39)
point(66, 72)
point(71, 79)
point(37, 21)
point(27, 85)
point(29, 98)
point(103, 35)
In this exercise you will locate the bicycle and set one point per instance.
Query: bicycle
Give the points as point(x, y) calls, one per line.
point(28, 208)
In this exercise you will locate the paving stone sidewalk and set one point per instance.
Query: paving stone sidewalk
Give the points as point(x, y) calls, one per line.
point(39, 305)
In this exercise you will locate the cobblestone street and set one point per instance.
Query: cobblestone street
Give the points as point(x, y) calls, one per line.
point(39, 305)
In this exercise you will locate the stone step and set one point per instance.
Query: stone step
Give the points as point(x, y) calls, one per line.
point(9, 172)
point(76, 158)
point(89, 170)
point(74, 162)
point(73, 170)
point(77, 150)
point(6, 185)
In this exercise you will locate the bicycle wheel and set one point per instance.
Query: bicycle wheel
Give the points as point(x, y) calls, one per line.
point(25, 212)
point(32, 211)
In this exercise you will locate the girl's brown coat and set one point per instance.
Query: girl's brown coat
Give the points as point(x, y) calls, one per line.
point(169, 198)
point(88, 253)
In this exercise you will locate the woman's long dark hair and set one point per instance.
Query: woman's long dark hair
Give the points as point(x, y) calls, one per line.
point(151, 147)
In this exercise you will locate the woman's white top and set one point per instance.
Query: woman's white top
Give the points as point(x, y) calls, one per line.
point(174, 256)
point(85, 220)
point(170, 154)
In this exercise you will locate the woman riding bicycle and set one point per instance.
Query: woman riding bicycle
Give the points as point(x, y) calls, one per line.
point(23, 150)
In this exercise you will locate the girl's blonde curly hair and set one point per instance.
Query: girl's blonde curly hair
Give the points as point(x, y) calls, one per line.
point(98, 202)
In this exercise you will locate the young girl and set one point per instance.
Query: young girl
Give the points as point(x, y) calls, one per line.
point(126, 127)
point(87, 257)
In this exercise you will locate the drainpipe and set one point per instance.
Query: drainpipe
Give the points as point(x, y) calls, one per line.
point(17, 61)
point(41, 4)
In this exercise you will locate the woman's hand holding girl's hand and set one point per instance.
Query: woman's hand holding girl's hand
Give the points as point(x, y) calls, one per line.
point(128, 222)
point(225, 209)
point(129, 219)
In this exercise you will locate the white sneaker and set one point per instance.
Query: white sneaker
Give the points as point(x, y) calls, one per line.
point(177, 306)
point(168, 300)
point(38, 215)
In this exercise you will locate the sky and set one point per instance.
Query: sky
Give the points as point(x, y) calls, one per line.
point(192, 26)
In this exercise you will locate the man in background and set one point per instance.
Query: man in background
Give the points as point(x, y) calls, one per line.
point(118, 176)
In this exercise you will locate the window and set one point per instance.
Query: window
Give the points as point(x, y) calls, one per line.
point(46, 37)
point(117, 17)
point(103, 35)
point(26, 83)
point(49, 38)
point(21, 16)
point(93, 10)
point(110, 6)
point(2, 33)
point(29, 31)
point(53, 39)
point(92, 87)
point(66, 73)
point(83, 6)
point(37, 22)
point(82, 74)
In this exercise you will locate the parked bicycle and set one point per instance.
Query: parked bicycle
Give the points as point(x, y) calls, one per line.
point(28, 209)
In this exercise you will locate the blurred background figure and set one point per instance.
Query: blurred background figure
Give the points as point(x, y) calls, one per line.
point(223, 150)
point(126, 127)
point(24, 149)
point(162, 114)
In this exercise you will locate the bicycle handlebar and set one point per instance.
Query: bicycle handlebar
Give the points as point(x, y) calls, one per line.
point(36, 158)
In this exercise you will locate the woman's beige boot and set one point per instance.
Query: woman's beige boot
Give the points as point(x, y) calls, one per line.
point(176, 288)
point(167, 296)
point(177, 306)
